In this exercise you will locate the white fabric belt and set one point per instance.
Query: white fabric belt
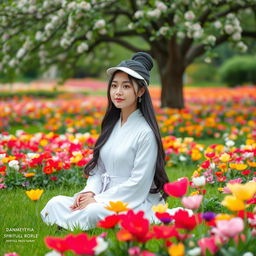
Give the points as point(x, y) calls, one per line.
point(106, 178)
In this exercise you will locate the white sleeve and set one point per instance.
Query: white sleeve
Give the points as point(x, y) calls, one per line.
point(94, 182)
point(135, 189)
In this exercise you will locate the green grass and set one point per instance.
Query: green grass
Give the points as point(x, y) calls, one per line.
point(18, 211)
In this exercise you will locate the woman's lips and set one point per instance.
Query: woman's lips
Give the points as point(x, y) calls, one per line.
point(119, 100)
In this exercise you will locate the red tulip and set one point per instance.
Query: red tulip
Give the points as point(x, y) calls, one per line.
point(109, 221)
point(136, 225)
point(177, 188)
point(81, 244)
point(184, 221)
point(164, 217)
point(57, 243)
point(164, 232)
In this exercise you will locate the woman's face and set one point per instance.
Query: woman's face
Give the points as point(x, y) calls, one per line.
point(122, 93)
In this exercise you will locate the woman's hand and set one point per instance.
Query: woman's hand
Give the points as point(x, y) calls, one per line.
point(82, 200)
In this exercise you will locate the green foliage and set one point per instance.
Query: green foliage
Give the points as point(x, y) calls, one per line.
point(202, 72)
point(239, 70)
point(37, 94)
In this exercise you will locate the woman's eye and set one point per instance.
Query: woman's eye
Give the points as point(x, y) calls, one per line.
point(126, 86)
point(113, 85)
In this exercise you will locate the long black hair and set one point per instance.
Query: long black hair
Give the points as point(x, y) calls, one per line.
point(111, 117)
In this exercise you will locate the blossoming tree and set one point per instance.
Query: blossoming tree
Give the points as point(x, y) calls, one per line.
point(60, 32)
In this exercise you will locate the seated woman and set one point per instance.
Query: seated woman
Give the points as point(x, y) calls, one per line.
point(128, 160)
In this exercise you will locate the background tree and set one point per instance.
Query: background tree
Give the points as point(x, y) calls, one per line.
point(61, 32)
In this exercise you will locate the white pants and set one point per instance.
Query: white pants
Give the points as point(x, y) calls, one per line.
point(57, 211)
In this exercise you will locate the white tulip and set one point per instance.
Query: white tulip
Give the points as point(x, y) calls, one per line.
point(102, 245)
point(195, 251)
point(199, 181)
point(230, 143)
point(14, 164)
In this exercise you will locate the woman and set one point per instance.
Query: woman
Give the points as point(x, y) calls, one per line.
point(128, 160)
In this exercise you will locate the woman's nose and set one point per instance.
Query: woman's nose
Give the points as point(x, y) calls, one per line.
point(119, 90)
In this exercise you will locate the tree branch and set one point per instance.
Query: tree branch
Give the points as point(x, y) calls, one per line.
point(249, 34)
point(231, 9)
point(198, 50)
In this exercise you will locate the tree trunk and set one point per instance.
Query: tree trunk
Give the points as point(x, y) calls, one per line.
point(171, 70)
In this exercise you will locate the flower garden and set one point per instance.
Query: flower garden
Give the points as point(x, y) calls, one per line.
point(210, 160)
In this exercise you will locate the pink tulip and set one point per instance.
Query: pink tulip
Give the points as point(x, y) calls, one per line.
point(192, 202)
point(229, 228)
point(208, 243)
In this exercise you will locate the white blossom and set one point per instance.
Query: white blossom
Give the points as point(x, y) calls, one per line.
point(64, 43)
point(12, 63)
point(231, 16)
point(89, 35)
point(130, 25)
point(85, 6)
point(248, 254)
point(217, 24)
point(138, 14)
point(208, 60)
point(189, 15)
point(48, 27)
point(180, 34)
point(211, 39)
point(242, 46)
point(237, 36)
point(21, 52)
point(161, 6)
point(229, 29)
point(82, 47)
point(163, 30)
point(103, 31)
point(32, 9)
point(71, 5)
point(39, 36)
point(154, 13)
point(99, 24)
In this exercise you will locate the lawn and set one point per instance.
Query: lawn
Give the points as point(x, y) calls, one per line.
point(18, 211)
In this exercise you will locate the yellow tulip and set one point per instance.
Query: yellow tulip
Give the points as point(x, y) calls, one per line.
point(118, 206)
point(240, 166)
point(29, 174)
point(243, 191)
point(232, 165)
point(225, 157)
point(160, 208)
point(177, 250)
point(34, 194)
point(224, 216)
point(233, 203)
point(196, 155)
point(43, 142)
